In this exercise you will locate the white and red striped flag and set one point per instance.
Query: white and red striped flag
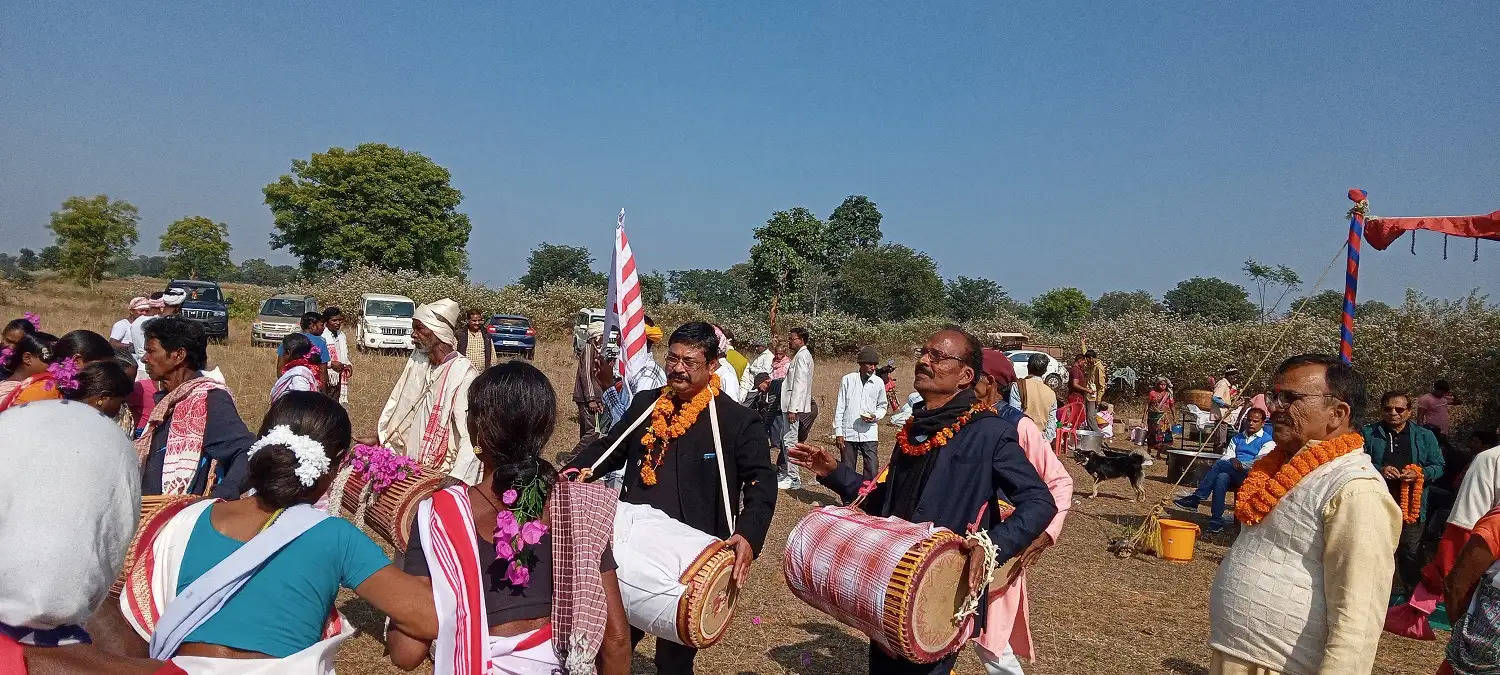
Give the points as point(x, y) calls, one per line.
point(623, 308)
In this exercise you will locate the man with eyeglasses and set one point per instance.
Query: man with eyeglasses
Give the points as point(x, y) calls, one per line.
point(950, 484)
point(1304, 589)
point(680, 474)
point(1396, 446)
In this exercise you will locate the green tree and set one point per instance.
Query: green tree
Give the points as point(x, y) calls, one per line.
point(261, 273)
point(1060, 309)
point(1324, 305)
point(786, 247)
point(1115, 304)
point(92, 231)
point(27, 261)
point(1267, 278)
point(653, 288)
point(50, 257)
point(196, 247)
point(139, 266)
point(854, 224)
point(976, 298)
point(559, 262)
point(890, 283)
point(718, 291)
point(1210, 298)
point(377, 205)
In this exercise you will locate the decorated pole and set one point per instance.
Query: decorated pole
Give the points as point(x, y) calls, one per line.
point(1351, 271)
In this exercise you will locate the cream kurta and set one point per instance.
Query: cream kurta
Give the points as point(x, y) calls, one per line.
point(403, 422)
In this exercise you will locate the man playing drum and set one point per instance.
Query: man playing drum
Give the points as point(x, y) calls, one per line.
point(427, 414)
point(949, 442)
point(671, 463)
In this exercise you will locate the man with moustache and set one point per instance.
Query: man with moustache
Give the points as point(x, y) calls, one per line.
point(1304, 588)
point(949, 483)
point(427, 415)
point(680, 475)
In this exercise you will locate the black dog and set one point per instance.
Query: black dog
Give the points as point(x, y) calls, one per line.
point(1108, 465)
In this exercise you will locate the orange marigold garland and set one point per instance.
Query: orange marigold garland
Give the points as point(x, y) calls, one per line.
point(667, 425)
point(1411, 496)
point(939, 439)
point(1272, 476)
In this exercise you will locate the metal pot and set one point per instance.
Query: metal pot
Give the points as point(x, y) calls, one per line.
point(1091, 441)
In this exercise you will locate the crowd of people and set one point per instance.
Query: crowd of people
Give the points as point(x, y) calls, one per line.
point(511, 567)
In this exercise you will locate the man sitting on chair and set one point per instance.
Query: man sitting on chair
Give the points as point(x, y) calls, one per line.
point(1231, 469)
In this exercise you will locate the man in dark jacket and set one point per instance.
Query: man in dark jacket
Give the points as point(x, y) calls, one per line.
point(981, 465)
point(680, 476)
point(1395, 444)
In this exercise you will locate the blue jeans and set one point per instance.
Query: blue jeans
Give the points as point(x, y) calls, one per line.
point(1218, 481)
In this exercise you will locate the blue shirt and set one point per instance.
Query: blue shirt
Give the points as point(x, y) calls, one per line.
point(317, 341)
point(284, 606)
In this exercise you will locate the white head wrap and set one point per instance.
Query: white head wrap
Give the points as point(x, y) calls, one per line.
point(174, 297)
point(312, 458)
point(71, 495)
point(596, 329)
point(139, 303)
point(440, 317)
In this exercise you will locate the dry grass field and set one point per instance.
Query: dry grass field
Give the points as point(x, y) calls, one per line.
point(1092, 612)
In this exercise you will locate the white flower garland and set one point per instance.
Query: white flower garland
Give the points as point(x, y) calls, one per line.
point(312, 458)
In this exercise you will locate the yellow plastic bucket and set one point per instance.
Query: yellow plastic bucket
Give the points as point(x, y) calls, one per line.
point(1177, 540)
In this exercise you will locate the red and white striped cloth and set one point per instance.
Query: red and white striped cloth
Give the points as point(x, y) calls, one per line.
point(624, 308)
point(840, 560)
point(446, 521)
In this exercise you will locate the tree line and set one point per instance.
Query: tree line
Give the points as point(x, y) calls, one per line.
point(384, 207)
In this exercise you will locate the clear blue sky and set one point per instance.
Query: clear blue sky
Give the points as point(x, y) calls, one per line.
point(1041, 145)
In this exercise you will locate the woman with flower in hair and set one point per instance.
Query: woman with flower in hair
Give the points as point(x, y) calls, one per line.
point(299, 368)
point(523, 576)
point(33, 375)
point(255, 579)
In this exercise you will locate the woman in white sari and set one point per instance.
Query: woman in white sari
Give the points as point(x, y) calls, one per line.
point(248, 586)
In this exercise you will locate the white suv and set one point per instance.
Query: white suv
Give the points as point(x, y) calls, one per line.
point(385, 322)
point(1056, 373)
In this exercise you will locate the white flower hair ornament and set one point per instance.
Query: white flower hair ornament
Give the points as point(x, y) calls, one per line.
point(312, 458)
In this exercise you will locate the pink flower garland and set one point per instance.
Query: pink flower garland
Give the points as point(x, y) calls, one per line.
point(64, 374)
point(33, 319)
point(511, 539)
point(380, 466)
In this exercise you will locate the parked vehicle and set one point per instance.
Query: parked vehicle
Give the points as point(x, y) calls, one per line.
point(384, 322)
point(205, 304)
point(1056, 375)
point(512, 334)
point(581, 323)
point(279, 316)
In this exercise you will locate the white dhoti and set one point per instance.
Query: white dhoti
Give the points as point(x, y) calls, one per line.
point(525, 654)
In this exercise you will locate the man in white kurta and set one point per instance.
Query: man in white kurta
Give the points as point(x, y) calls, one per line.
point(796, 400)
point(1304, 589)
point(761, 364)
point(856, 419)
point(427, 414)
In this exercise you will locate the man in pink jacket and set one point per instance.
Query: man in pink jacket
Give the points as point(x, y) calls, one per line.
point(1007, 633)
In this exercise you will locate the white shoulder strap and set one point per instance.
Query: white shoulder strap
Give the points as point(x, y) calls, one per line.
point(621, 438)
point(713, 420)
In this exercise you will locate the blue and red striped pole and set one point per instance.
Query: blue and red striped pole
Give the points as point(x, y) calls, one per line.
point(1351, 271)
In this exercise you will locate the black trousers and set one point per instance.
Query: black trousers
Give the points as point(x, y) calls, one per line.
point(671, 658)
point(854, 451)
point(885, 664)
point(1409, 556)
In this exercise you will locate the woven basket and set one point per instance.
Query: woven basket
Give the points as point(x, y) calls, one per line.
point(1202, 398)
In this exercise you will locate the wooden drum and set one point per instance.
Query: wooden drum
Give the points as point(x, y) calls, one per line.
point(156, 510)
point(898, 582)
point(391, 512)
point(676, 582)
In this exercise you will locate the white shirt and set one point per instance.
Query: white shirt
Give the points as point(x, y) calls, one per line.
point(120, 332)
point(761, 364)
point(796, 389)
point(138, 336)
point(856, 399)
point(728, 383)
point(913, 399)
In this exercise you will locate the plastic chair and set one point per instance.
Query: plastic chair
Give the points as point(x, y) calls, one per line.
point(1069, 418)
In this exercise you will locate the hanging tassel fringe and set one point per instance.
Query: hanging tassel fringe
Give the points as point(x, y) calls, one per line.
point(1414, 242)
point(1445, 247)
point(1476, 250)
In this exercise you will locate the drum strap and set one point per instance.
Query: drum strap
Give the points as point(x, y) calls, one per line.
point(713, 420)
point(621, 439)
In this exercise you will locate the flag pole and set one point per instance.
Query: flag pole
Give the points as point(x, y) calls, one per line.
point(1351, 271)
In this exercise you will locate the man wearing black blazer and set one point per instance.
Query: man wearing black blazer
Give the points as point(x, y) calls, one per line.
point(682, 477)
point(955, 460)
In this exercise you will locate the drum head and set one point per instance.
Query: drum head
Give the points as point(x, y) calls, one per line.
point(708, 604)
point(941, 587)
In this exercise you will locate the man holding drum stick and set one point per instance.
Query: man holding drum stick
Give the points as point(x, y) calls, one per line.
point(697, 455)
point(954, 460)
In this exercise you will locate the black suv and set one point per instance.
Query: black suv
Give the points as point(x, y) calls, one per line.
point(205, 304)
